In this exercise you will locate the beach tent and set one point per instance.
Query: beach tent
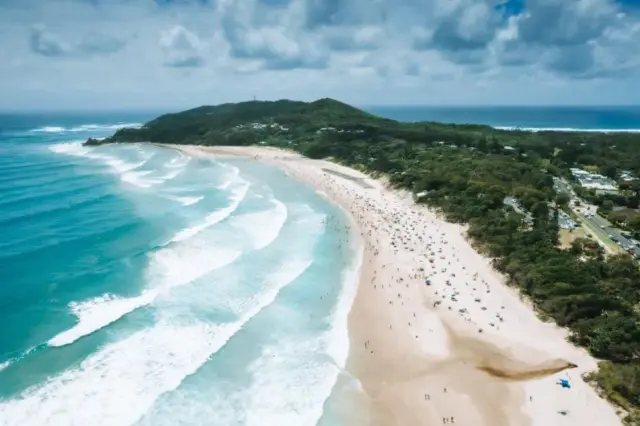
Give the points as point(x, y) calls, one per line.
point(565, 383)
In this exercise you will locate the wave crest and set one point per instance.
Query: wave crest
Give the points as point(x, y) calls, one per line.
point(265, 226)
point(120, 383)
point(214, 217)
point(166, 271)
point(85, 128)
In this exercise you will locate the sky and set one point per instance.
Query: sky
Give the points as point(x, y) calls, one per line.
point(158, 54)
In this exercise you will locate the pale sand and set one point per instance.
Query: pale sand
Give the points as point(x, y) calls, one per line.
point(417, 349)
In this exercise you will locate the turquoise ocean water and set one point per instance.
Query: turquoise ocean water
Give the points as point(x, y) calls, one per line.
point(141, 286)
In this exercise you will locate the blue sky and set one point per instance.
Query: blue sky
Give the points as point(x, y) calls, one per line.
point(105, 54)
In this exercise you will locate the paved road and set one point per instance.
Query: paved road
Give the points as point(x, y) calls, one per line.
point(605, 225)
point(597, 221)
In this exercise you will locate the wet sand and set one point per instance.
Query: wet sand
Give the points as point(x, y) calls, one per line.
point(436, 337)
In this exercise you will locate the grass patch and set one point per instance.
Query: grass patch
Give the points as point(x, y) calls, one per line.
point(566, 236)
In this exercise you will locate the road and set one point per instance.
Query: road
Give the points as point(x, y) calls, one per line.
point(601, 226)
point(605, 225)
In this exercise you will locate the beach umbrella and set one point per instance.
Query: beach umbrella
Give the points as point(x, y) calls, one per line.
point(565, 383)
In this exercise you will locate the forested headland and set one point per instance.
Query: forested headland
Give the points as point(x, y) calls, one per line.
point(466, 171)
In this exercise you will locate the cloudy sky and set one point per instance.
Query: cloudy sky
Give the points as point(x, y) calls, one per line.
point(105, 54)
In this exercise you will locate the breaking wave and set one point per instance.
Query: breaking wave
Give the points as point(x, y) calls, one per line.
point(214, 217)
point(85, 128)
point(120, 382)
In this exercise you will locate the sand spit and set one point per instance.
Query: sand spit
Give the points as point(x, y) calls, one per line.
point(436, 336)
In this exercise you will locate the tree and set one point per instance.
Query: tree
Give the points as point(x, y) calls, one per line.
point(618, 217)
point(609, 171)
point(634, 222)
point(607, 206)
point(576, 247)
point(562, 199)
point(616, 337)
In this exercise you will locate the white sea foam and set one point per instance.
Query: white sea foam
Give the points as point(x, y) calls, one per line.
point(176, 166)
point(70, 148)
point(117, 384)
point(186, 201)
point(119, 165)
point(166, 270)
point(565, 129)
point(230, 177)
point(121, 381)
point(85, 128)
point(171, 175)
point(265, 225)
point(97, 313)
point(49, 129)
point(212, 218)
point(135, 178)
point(126, 169)
point(75, 148)
point(338, 344)
point(4, 365)
point(179, 264)
point(291, 381)
point(178, 162)
point(95, 127)
point(311, 221)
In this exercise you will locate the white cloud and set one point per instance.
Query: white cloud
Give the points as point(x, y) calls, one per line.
point(136, 53)
point(46, 43)
point(182, 48)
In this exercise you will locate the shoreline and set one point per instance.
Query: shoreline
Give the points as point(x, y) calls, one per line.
point(460, 350)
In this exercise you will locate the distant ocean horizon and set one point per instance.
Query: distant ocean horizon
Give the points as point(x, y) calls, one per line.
point(534, 118)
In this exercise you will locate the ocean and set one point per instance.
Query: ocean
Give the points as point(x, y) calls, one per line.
point(562, 118)
point(141, 286)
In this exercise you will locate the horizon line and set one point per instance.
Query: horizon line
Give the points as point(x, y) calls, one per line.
point(362, 106)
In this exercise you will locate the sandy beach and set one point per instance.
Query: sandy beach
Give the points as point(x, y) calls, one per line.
point(436, 337)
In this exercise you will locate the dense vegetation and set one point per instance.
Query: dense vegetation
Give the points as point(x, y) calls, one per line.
point(466, 171)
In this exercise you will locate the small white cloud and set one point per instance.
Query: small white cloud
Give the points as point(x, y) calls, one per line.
point(46, 43)
point(181, 48)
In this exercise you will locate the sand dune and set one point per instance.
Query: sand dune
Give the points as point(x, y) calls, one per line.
point(436, 335)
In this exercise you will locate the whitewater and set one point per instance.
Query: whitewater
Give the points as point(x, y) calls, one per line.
point(147, 287)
